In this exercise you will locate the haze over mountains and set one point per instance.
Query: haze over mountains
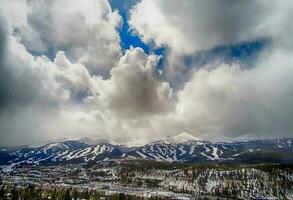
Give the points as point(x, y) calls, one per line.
point(183, 148)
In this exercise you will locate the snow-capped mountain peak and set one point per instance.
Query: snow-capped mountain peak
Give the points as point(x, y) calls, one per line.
point(181, 148)
point(181, 138)
point(93, 140)
point(56, 145)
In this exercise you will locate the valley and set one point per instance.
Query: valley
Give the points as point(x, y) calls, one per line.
point(178, 167)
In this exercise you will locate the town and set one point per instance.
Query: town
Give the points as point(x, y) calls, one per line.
point(138, 179)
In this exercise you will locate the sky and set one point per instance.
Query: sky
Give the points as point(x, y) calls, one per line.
point(134, 71)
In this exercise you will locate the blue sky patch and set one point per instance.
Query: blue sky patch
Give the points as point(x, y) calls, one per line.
point(128, 38)
point(245, 52)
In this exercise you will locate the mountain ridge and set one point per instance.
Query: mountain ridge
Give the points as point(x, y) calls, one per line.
point(183, 148)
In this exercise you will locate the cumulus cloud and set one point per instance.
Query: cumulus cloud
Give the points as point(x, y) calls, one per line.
point(187, 28)
point(196, 25)
point(129, 101)
point(134, 88)
point(228, 100)
point(220, 98)
point(32, 91)
point(39, 83)
point(53, 82)
point(63, 98)
point(86, 30)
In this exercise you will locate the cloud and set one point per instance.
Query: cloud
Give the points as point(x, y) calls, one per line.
point(134, 88)
point(63, 98)
point(229, 100)
point(221, 98)
point(129, 100)
point(55, 83)
point(197, 25)
point(87, 31)
point(39, 83)
point(32, 91)
point(194, 28)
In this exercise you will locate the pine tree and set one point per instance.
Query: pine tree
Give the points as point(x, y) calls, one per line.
point(67, 195)
point(75, 194)
point(122, 196)
point(14, 194)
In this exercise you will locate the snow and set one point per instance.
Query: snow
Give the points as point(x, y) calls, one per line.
point(161, 151)
point(99, 149)
point(152, 147)
point(62, 154)
point(192, 149)
point(44, 159)
point(85, 152)
point(10, 167)
point(56, 145)
point(181, 138)
point(178, 150)
point(224, 147)
point(289, 142)
point(182, 151)
point(211, 184)
point(71, 155)
point(94, 140)
point(215, 152)
point(142, 155)
point(207, 149)
point(238, 154)
point(157, 157)
point(209, 157)
point(174, 155)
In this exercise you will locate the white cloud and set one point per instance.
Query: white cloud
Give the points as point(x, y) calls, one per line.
point(134, 88)
point(86, 30)
point(228, 100)
point(58, 80)
point(68, 96)
point(128, 100)
point(188, 26)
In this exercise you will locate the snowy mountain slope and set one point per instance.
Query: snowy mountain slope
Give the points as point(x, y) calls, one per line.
point(182, 148)
point(67, 151)
point(183, 137)
point(278, 150)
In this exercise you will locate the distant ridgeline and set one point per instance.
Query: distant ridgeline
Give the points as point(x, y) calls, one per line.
point(182, 148)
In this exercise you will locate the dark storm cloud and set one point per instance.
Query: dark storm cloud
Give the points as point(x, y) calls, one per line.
point(20, 90)
point(17, 87)
point(134, 89)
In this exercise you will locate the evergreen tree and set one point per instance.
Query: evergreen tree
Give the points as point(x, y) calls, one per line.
point(2, 193)
point(67, 195)
point(54, 195)
point(14, 194)
point(122, 196)
point(75, 194)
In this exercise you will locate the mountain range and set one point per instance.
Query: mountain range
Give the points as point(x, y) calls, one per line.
point(183, 148)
